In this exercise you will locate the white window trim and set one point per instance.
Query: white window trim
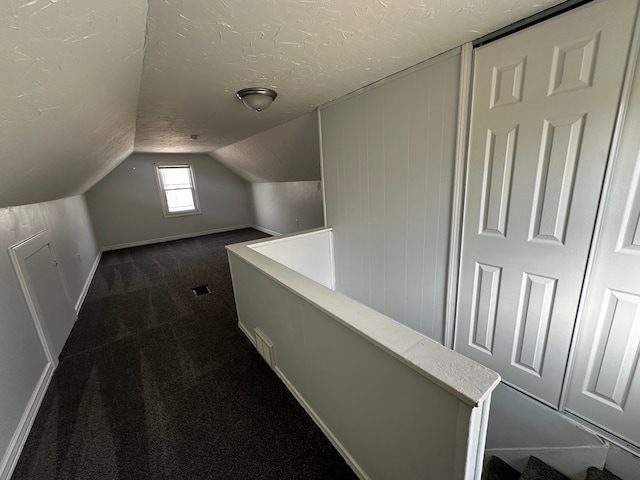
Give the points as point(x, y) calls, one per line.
point(163, 196)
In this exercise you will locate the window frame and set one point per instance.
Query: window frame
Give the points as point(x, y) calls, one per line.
point(162, 191)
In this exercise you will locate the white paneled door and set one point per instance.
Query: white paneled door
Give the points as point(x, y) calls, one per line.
point(605, 381)
point(543, 110)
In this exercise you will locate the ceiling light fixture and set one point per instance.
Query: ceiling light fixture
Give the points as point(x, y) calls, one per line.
point(257, 98)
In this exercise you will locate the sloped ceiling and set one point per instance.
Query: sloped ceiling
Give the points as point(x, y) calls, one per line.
point(73, 85)
point(287, 153)
point(69, 81)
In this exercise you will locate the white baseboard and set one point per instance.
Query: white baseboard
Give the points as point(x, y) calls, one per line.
point(247, 333)
point(266, 230)
point(12, 454)
point(87, 283)
point(177, 237)
point(325, 429)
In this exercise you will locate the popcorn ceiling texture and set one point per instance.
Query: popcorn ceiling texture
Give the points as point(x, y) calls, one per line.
point(72, 76)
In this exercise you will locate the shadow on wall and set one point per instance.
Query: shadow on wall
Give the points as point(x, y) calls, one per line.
point(288, 207)
point(287, 153)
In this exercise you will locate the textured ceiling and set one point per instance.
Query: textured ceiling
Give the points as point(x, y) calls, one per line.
point(69, 81)
point(77, 77)
point(200, 52)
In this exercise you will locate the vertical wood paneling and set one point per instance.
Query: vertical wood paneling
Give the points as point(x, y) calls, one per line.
point(388, 162)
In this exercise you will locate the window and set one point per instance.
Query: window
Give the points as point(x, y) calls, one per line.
point(177, 190)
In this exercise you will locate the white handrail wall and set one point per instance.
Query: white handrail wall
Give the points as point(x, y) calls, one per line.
point(394, 403)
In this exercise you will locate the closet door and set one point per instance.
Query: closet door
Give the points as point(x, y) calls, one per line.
point(605, 381)
point(543, 110)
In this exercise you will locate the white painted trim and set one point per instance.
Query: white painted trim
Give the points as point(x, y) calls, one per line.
point(266, 230)
point(395, 76)
point(163, 191)
point(470, 439)
point(463, 447)
point(87, 283)
point(634, 52)
point(462, 377)
point(602, 432)
point(287, 236)
point(177, 237)
point(20, 268)
point(247, 333)
point(19, 438)
point(333, 261)
point(457, 204)
point(324, 192)
point(325, 429)
point(483, 414)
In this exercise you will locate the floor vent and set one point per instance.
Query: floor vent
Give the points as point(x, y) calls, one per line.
point(265, 347)
point(201, 290)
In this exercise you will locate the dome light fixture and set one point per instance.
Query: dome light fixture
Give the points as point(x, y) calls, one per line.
point(257, 98)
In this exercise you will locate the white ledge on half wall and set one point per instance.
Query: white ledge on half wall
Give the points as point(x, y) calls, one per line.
point(468, 380)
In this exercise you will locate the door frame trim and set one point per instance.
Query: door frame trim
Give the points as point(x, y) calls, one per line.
point(19, 252)
point(457, 204)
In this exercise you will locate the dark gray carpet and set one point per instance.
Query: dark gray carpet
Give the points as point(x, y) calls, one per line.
point(498, 469)
point(155, 382)
point(594, 474)
point(536, 469)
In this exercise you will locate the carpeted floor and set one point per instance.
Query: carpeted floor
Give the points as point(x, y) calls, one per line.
point(155, 382)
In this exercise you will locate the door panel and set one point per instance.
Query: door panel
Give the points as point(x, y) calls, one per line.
point(605, 381)
point(543, 111)
point(42, 282)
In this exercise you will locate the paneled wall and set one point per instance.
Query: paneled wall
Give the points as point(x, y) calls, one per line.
point(388, 157)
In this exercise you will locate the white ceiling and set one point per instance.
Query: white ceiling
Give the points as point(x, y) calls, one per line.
point(76, 76)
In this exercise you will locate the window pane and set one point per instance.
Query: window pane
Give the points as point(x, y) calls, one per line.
point(177, 184)
point(176, 177)
point(180, 200)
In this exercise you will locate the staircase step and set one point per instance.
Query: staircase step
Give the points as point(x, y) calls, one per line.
point(536, 469)
point(595, 474)
point(498, 469)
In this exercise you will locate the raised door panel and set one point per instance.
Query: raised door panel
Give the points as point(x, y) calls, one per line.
point(605, 381)
point(543, 111)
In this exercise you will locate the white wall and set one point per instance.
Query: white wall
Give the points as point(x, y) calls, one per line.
point(364, 378)
point(286, 153)
point(287, 207)
point(22, 359)
point(388, 158)
point(125, 205)
point(309, 253)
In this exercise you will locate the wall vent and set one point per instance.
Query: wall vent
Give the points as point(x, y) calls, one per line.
point(265, 347)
